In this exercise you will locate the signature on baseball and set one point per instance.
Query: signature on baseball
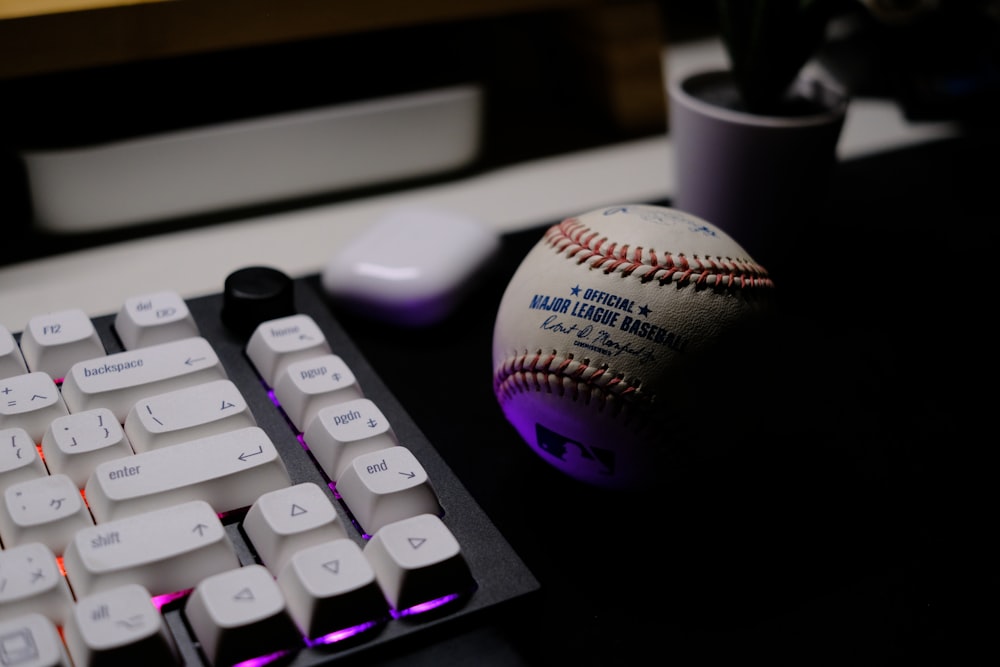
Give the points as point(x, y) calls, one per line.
point(598, 340)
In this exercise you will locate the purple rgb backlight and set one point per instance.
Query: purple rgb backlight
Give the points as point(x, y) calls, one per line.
point(424, 607)
point(262, 660)
point(340, 635)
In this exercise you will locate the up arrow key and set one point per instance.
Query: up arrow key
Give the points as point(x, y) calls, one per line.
point(245, 594)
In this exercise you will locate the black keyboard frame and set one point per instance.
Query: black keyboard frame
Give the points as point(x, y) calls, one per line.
point(502, 580)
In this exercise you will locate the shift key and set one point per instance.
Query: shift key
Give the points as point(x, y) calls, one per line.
point(118, 381)
point(165, 551)
point(227, 470)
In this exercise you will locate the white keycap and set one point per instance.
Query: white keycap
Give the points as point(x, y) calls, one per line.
point(386, 486)
point(30, 582)
point(30, 401)
point(19, 460)
point(276, 343)
point(284, 521)
point(418, 560)
point(187, 414)
point(240, 614)
point(46, 509)
point(31, 641)
point(341, 432)
point(11, 359)
point(305, 387)
point(165, 551)
point(118, 381)
point(331, 587)
point(228, 470)
point(151, 319)
point(74, 444)
point(119, 626)
point(53, 342)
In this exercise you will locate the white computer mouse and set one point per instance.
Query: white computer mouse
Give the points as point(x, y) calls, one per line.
point(412, 266)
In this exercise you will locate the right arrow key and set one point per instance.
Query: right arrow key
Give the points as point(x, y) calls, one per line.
point(418, 564)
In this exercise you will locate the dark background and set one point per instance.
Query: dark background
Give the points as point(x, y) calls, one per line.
point(851, 520)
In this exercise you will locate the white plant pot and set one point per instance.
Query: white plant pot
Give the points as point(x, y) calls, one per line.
point(754, 176)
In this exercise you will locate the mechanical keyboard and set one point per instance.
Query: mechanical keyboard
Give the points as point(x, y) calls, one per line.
point(224, 480)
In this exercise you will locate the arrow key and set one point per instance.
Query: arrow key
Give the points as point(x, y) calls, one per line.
point(240, 614)
point(330, 588)
point(284, 521)
point(417, 562)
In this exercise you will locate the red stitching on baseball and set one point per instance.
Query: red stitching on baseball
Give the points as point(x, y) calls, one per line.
point(539, 372)
point(575, 240)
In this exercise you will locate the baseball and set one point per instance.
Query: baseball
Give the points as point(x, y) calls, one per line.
point(602, 337)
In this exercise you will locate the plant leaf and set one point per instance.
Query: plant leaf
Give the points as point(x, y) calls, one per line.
point(768, 42)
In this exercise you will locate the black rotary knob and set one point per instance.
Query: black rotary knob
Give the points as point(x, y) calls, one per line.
point(254, 295)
